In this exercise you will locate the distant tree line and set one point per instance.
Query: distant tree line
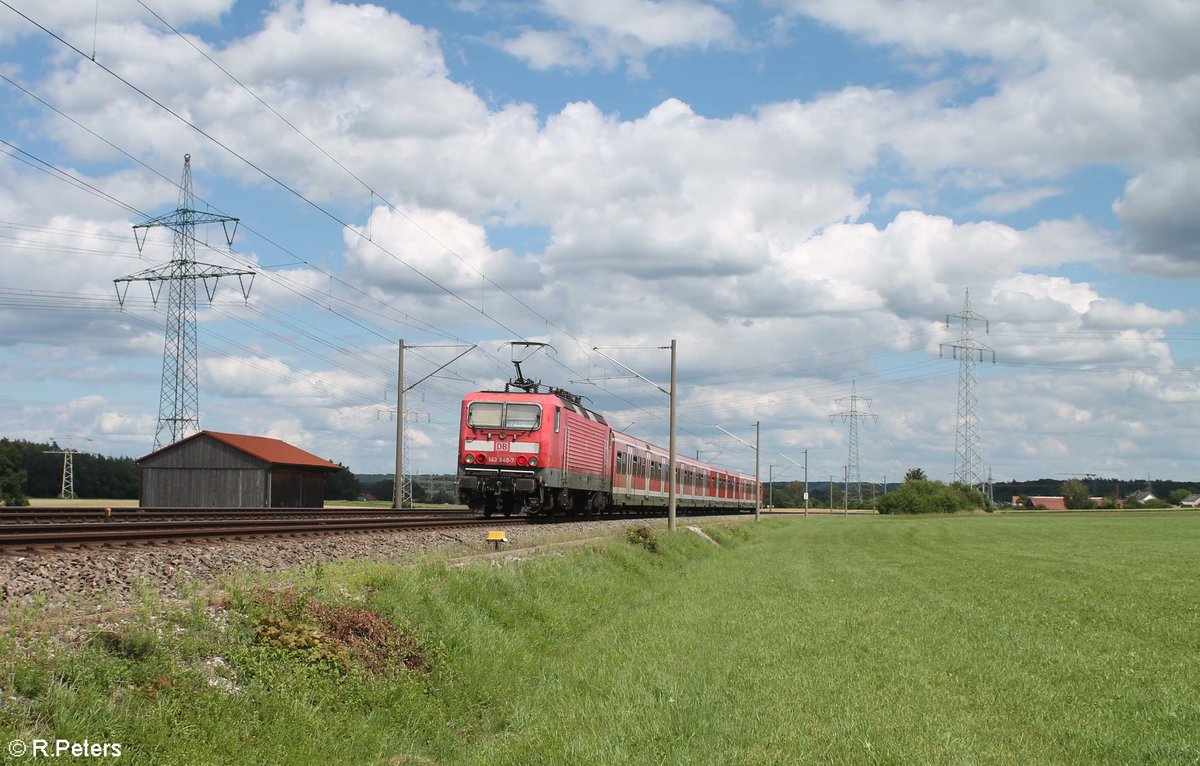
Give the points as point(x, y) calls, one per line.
point(344, 485)
point(824, 494)
point(12, 475)
point(1077, 495)
point(30, 469)
point(1108, 489)
point(791, 494)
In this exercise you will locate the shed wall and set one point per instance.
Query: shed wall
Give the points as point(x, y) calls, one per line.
point(203, 488)
point(297, 488)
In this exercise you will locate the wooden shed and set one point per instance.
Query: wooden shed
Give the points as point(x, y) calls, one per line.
point(219, 470)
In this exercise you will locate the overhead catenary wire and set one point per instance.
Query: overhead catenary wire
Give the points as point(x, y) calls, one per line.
point(407, 318)
point(262, 171)
point(320, 208)
point(91, 189)
point(366, 186)
point(732, 399)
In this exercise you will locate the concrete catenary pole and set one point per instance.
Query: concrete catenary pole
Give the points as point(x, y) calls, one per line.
point(398, 489)
point(671, 491)
point(757, 484)
point(806, 483)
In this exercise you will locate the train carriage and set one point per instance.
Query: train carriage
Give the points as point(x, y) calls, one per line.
point(543, 452)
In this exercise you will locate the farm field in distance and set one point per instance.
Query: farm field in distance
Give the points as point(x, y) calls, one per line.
point(971, 639)
point(77, 502)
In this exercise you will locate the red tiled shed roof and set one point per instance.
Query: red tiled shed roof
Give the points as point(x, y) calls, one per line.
point(268, 450)
point(272, 450)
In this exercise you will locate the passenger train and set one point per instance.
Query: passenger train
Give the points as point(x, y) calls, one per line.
point(539, 451)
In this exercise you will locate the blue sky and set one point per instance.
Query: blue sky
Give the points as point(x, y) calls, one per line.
point(799, 191)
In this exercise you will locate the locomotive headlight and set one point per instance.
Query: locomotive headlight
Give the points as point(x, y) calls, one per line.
point(468, 458)
point(533, 461)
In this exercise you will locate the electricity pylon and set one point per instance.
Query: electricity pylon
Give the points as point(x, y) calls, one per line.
point(68, 472)
point(849, 412)
point(969, 352)
point(179, 396)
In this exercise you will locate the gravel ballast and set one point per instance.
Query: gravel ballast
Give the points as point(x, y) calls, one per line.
point(94, 580)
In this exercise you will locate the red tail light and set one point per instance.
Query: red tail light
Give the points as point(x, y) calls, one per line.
point(521, 460)
point(481, 458)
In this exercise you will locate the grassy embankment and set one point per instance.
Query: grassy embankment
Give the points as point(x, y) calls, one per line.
point(882, 640)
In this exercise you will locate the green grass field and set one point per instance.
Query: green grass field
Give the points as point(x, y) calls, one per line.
point(984, 639)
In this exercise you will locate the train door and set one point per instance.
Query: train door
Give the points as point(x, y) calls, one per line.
point(608, 460)
point(646, 472)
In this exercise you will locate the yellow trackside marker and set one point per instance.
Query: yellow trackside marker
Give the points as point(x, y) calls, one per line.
point(495, 537)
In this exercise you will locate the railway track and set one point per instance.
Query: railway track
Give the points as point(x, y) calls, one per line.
point(17, 536)
point(59, 528)
point(139, 515)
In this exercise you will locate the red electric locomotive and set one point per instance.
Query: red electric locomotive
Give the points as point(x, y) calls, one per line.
point(539, 450)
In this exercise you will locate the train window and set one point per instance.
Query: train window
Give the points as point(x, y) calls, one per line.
point(523, 417)
point(514, 415)
point(485, 414)
point(557, 418)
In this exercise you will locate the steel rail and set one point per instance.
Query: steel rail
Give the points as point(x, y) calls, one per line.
point(25, 515)
point(94, 533)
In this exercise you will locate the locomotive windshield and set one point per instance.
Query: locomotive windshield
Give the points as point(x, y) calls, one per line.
point(524, 416)
point(513, 415)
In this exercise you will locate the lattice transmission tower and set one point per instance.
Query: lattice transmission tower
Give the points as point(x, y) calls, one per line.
point(179, 397)
point(969, 352)
point(68, 472)
point(849, 412)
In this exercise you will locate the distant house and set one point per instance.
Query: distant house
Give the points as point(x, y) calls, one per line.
point(1191, 501)
point(1047, 502)
point(219, 470)
point(1142, 496)
point(1051, 502)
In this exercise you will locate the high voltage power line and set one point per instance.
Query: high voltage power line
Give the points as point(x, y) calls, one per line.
point(303, 198)
point(756, 400)
point(299, 195)
point(346, 226)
